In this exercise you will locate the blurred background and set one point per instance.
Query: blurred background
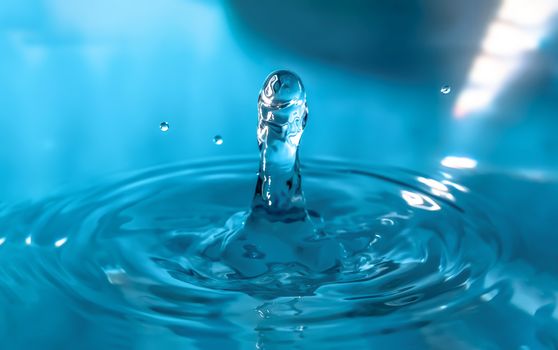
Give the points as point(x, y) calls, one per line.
point(84, 85)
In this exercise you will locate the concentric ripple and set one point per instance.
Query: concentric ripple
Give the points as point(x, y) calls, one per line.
point(412, 248)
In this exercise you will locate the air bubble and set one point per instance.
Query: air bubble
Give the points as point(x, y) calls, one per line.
point(446, 89)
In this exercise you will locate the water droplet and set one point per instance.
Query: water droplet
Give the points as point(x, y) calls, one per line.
point(164, 126)
point(218, 140)
point(282, 115)
point(446, 89)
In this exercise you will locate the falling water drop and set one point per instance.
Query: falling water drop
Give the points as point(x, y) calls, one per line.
point(446, 89)
point(278, 205)
point(218, 140)
point(164, 126)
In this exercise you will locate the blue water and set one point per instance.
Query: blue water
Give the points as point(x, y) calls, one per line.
point(448, 242)
point(112, 267)
point(325, 256)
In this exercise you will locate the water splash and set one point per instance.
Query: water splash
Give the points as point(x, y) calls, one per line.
point(278, 230)
point(282, 115)
point(192, 248)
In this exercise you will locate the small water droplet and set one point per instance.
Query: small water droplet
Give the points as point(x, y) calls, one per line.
point(446, 89)
point(218, 140)
point(164, 126)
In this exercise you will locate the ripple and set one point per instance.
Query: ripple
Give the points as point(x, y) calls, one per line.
point(413, 249)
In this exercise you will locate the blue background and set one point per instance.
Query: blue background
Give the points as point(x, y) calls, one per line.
point(85, 84)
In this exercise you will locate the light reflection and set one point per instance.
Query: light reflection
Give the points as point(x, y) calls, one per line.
point(485, 68)
point(473, 99)
point(459, 162)
point(446, 175)
point(524, 39)
point(517, 29)
point(28, 240)
point(116, 275)
point(2, 240)
point(437, 188)
point(456, 186)
point(59, 243)
point(444, 194)
point(528, 16)
point(488, 296)
point(538, 175)
point(418, 200)
point(433, 184)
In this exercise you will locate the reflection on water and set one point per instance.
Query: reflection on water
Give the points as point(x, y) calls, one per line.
point(417, 200)
point(459, 162)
